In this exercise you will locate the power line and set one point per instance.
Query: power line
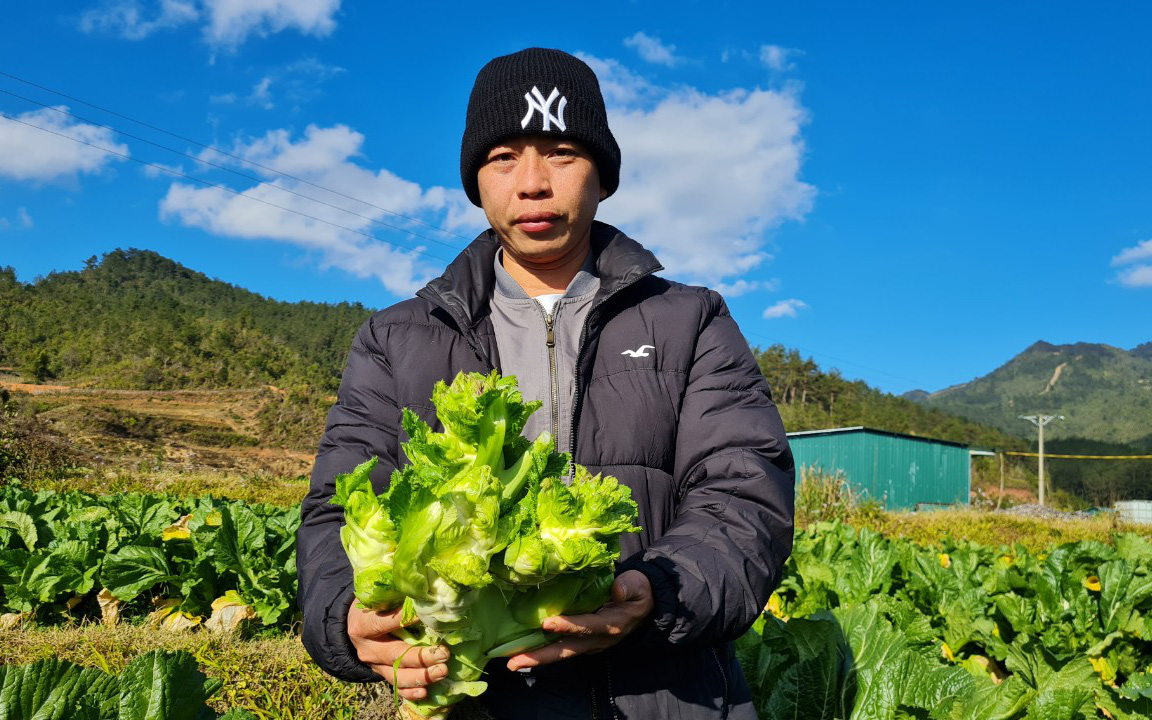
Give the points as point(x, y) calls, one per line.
point(1082, 457)
point(833, 357)
point(246, 176)
point(224, 188)
point(228, 154)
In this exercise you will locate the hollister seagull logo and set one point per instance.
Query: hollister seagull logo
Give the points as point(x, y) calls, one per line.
point(537, 103)
point(641, 351)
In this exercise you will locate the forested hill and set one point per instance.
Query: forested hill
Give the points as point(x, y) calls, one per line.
point(1104, 392)
point(812, 399)
point(135, 319)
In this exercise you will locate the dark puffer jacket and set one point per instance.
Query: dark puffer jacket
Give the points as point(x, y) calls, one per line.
point(690, 428)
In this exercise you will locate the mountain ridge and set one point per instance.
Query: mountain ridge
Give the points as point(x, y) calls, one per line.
point(1104, 392)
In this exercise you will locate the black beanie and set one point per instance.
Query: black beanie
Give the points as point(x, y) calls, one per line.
point(537, 92)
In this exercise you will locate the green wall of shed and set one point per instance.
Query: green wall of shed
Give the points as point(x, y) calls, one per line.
point(901, 472)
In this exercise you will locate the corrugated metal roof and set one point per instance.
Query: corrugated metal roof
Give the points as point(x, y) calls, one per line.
point(861, 428)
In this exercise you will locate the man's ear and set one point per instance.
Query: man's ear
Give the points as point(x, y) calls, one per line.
point(603, 193)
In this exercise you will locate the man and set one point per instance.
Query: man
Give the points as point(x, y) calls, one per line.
point(641, 378)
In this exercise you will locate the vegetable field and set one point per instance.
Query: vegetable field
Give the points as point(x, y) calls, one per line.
point(180, 562)
point(863, 626)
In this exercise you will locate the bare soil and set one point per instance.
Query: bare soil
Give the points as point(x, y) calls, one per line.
point(180, 430)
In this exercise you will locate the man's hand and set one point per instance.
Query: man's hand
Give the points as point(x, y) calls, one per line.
point(371, 635)
point(630, 605)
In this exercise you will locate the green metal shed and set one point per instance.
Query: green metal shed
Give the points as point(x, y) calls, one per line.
point(904, 472)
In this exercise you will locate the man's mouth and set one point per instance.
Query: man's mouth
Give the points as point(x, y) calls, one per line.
point(535, 222)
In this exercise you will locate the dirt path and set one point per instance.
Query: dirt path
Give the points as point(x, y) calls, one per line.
point(1055, 377)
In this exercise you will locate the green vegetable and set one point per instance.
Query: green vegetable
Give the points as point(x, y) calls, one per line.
point(155, 686)
point(59, 551)
point(864, 627)
point(479, 538)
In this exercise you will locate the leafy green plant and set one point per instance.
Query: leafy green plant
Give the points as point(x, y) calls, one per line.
point(960, 630)
point(155, 686)
point(61, 552)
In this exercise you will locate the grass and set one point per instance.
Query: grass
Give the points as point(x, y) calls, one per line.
point(994, 528)
point(823, 497)
point(272, 678)
point(249, 487)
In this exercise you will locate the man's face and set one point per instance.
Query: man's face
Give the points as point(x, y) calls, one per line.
point(540, 195)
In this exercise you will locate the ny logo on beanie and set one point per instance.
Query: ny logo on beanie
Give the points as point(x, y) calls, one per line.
point(537, 103)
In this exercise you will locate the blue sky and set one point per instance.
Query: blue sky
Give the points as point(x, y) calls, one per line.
point(911, 192)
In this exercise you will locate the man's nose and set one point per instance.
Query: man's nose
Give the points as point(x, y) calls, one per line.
point(533, 180)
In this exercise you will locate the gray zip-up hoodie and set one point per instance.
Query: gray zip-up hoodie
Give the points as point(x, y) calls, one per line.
point(539, 347)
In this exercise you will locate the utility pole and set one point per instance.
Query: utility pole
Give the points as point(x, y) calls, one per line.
point(1040, 421)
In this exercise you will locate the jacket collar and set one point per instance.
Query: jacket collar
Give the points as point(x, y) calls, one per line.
point(465, 288)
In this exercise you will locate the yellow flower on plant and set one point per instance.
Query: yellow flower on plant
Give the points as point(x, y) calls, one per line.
point(775, 606)
point(1092, 583)
point(175, 533)
point(945, 561)
point(946, 652)
point(995, 630)
point(1104, 669)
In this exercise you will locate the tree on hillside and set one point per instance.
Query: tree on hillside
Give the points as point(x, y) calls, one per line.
point(813, 399)
point(135, 319)
point(39, 366)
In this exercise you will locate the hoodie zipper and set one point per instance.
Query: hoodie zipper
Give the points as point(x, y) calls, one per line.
point(550, 342)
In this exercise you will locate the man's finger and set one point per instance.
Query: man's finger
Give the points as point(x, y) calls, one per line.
point(423, 657)
point(606, 621)
point(420, 677)
point(557, 651)
point(385, 671)
point(385, 652)
point(414, 694)
point(374, 623)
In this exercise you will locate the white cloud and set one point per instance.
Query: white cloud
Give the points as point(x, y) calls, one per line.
point(705, 177)
point(619, 85)
point(329, 157)
point(260, 95)
point(23, 220)
point(1136, 276)
point(1139, 275)
point(136, 20)
point(736, 288)
point(743, 287)
point(1140, 251)
point(652, 50)
point(158, 169)
point(778, 58)
point(785, 308)
point(298, 82)
point(226, 23)
point(30, 154)
point(230, 22)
